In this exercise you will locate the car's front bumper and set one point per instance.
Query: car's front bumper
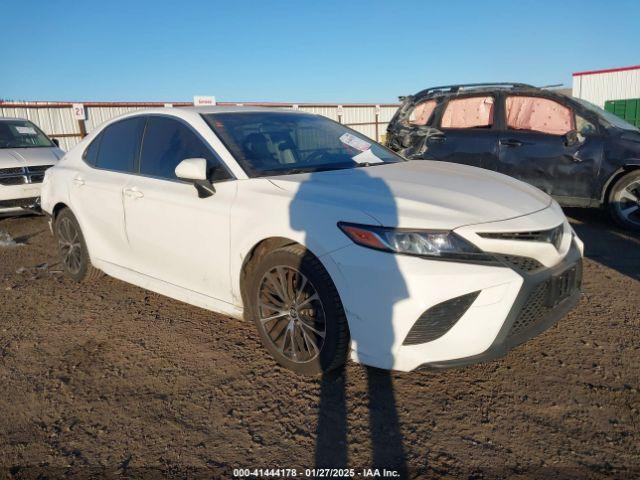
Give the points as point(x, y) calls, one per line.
point(16, 197)
point(385, 294)
point(530, 315)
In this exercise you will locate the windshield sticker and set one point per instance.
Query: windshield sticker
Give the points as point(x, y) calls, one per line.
point(26, 130)
point(354, 142)
point(367, 157)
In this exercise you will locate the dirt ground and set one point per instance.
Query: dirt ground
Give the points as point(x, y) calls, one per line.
point(109, 379)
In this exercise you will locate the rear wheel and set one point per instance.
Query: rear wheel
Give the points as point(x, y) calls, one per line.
point(624, 201)
point(73, 248)
point(297, 310)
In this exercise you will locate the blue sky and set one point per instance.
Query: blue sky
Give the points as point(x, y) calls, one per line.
point(301, 51)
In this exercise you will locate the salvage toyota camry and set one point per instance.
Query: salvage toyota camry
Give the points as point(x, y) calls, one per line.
point(330, 243)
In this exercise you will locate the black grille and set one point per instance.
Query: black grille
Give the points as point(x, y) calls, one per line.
point(525, 264)
point(438, 320)
point(12, 180)
point(541, 300)
point(11, 171)
point(533, 311)
point(553, 235)
point(20, 175)
point(19, 202)
point(37, 178)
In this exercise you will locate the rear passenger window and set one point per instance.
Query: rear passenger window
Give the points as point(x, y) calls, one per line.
point(473, 112)
point(539, 115)
point(91, 153)
point(167, 142)
point(120, 144)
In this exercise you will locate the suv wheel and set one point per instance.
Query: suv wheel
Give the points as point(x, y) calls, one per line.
point(624, 201)
point(73, 249)
point(297, 310)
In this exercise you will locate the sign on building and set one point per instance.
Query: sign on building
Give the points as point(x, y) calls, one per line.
point(79, 112)
point(201, 100)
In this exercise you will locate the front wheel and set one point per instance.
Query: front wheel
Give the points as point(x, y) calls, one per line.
point(297, 311)
point(73, 248)
point(624, 201)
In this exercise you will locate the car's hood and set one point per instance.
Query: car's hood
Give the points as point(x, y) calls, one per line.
point(420, 194)
point(20, 157)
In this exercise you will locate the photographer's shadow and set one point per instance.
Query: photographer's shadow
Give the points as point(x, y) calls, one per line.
point(384, 424)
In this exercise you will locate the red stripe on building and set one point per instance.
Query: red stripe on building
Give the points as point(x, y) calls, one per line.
point(607, 70)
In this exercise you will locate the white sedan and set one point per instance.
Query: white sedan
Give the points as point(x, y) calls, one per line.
point(331, 244)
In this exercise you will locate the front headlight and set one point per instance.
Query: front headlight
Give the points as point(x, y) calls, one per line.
point(442, 244)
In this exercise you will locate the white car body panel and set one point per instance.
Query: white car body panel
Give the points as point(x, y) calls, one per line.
point(427, 194)
point(159, 235)
point(170, 234)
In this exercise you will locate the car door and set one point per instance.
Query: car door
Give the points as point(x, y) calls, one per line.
point(539, 145)
point(96, 191)
point(469, 135)
point(174, 235)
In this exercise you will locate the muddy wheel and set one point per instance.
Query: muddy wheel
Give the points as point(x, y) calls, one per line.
point(624, 201)
point(297, 311)
point(74, 255)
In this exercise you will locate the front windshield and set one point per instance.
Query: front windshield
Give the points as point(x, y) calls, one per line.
point(609, 117)
point(280, 143)
point(22, 134)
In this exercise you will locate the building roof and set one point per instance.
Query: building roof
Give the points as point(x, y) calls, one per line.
point(606, 70)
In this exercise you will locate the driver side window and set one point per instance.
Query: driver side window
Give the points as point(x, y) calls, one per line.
point(167, 142)
point(584, 126)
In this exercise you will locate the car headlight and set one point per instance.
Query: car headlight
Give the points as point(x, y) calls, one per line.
point(437, 244)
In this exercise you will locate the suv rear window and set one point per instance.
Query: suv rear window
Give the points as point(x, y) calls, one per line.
point(539, 115)
point(472, 112)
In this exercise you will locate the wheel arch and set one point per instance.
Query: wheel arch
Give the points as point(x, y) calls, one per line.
point(57, 208)
point(256, 252)
point(628, 167)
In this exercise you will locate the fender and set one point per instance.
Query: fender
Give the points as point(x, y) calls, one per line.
point(628, 165)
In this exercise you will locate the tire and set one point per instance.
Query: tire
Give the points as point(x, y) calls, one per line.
point(624, 196)
point(291, 298)
point(72, 248)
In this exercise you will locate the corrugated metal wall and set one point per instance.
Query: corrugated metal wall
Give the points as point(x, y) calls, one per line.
point(598, 87)
point(57, 121)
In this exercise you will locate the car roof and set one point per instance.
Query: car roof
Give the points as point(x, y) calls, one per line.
point(455, 90)
point(235, 108)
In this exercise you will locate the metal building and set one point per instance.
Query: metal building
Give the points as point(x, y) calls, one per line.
point(57, 119)
point(598, 86)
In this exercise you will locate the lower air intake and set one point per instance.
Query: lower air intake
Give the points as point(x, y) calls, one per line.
point(438, 320)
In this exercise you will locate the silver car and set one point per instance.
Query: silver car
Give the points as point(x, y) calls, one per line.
point(25, 153)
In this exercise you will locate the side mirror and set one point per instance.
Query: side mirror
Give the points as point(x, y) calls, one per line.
point(195, 170)
point(572, 138)
point(56, 142)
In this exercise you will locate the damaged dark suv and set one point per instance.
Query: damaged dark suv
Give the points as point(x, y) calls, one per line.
point(580, 154)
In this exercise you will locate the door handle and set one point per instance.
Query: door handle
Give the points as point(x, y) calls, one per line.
point(436, 139)
point(510, 142)
point(78, 181)
point(133, 193)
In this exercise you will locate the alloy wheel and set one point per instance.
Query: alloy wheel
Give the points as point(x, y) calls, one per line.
point(70, 245)
point(627, 202)
point(291, 314)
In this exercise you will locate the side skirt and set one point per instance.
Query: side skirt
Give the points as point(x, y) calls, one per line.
point(577, 201)
point(168, 290)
